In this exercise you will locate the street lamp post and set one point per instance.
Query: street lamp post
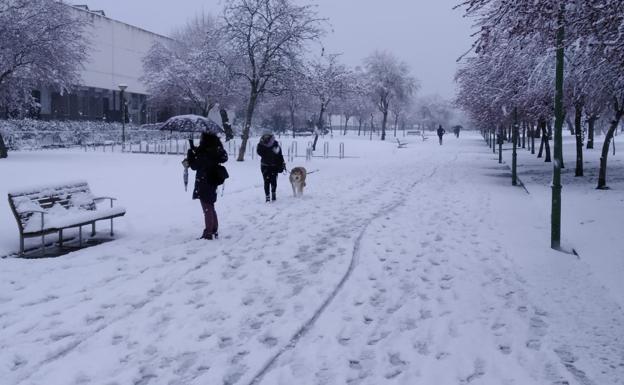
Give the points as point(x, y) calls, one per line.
point(122, 88)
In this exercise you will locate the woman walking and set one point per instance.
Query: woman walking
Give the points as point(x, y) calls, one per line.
point(205, 160)
point(271, 164)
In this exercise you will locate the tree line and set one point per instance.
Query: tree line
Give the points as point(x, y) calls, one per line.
point(536, 65)
point(262, 59)
point(257, 59)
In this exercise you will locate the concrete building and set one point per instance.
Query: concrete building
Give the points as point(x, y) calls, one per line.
point(115, 57)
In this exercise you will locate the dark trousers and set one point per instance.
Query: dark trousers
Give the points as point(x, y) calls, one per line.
point(440, 136)
point(211, 222)
point(269, 174)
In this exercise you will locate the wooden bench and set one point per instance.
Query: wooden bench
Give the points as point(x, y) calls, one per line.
point(52, 209)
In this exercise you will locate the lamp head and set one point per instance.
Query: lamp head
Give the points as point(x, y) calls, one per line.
point(123, 87)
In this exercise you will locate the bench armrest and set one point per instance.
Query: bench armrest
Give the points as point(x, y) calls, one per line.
point(105, 198)
point(35, 212)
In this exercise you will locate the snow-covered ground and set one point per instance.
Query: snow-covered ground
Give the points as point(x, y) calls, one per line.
point(413, 266)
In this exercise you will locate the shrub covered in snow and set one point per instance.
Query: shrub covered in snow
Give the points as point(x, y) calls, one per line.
point(35, 134)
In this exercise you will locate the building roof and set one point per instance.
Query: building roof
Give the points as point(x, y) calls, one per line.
point(102, 14)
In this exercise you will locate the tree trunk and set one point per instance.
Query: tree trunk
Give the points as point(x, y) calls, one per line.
point(546, 138)
point(251, 106)
point(591, 124)
point(578, 134)
point(319, 126)
point(292, 122)
point(533, 134)
point(346, 124)
point(384, 122)
point(570, 126)
point(550, 135)
point(396, 124)
point(541, 128)
point(359, 126)
point(227, 127)
point(602, 176)
point(3, 150)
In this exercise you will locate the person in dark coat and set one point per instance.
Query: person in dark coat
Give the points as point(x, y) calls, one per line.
point(271, 163)
point(441, 133)
point(204, 160)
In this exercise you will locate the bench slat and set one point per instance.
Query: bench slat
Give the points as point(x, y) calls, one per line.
point(75, 196)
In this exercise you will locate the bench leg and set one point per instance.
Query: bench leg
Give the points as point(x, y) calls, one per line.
point(43, 250)
point(111, 233)
point(21, 246)
point(80, 236)
point(93, 229)
point(61, 238)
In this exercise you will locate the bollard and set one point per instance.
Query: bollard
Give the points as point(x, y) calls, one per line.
point(308, 154)
point(326, 150)
point(341, 151)
point(295, 148)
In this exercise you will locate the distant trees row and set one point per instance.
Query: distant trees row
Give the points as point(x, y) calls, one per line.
point(255, 60)
point(544, 61)
point(514, 68)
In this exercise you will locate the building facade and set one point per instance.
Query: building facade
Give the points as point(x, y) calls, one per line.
point(116, 52)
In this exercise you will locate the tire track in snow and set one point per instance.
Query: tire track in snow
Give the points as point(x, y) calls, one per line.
point(307, 326)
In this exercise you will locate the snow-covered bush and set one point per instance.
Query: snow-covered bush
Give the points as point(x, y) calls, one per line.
point(36, 134)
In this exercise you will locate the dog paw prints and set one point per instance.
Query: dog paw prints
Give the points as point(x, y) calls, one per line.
point(225, 342)
point(477, 372)
point(268, 341)
point(18, 362)
point(234, 375)
point(422, 347)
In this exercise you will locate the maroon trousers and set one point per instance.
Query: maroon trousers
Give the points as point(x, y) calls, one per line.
point(210, 218)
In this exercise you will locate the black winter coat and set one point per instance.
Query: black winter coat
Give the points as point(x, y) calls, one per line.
point(271, 156)
point(204, 162)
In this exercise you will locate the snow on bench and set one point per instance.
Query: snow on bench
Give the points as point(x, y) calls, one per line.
point(49, 209)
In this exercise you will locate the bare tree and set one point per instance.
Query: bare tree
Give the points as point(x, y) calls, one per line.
point(187, 69)
point(41, 43)
point(327, 80)
point(389, 80)
point(266, 34)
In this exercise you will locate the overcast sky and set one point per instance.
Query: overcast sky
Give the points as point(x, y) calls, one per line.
point(427, 34)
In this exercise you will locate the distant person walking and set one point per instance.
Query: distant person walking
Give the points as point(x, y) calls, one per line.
point(456, 130)
point(441, 133)
point(271, 164)
point(205, 160)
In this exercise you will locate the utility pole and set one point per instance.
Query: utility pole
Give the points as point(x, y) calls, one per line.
point(514, 155)
point(555, 219)
point(122, 88)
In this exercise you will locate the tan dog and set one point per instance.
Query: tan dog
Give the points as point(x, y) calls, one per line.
point(298, 180)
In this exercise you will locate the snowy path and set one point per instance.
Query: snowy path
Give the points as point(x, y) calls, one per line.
point(395, 270)
point(418, 306)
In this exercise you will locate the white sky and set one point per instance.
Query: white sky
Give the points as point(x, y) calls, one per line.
point(427, 34)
